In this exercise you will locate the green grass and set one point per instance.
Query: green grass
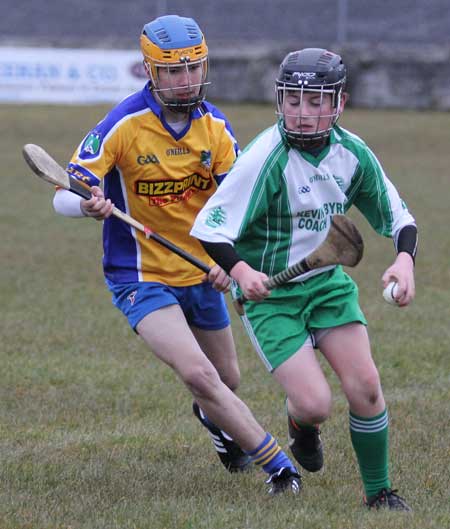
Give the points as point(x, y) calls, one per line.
point(96, 433)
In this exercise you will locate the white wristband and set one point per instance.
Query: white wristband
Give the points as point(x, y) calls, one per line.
point(67, 204)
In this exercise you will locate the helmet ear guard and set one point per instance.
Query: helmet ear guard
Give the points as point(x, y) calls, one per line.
point(313, 70)
point(173, 42)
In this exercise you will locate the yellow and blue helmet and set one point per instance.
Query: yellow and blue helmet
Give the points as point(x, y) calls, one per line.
point(170, 42)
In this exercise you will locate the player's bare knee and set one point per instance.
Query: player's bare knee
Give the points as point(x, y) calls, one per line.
point(231, 378)
point(366, 388)
point(202, 381)
point(372, 391)
point(311, 408)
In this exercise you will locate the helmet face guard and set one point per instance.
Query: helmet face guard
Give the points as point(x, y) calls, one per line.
point(194, 92)
point(176, 61)
point(311, 71)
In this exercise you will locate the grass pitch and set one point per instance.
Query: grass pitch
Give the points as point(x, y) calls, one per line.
point(96, 433)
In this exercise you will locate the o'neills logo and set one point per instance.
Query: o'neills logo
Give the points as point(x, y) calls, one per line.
point(165, 192)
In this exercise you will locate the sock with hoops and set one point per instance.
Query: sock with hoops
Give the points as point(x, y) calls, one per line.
point(270, 456)
point(370, 441)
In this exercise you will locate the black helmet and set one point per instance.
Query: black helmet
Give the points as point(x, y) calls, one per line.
point(311, 70)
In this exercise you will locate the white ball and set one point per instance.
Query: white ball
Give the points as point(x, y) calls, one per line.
point(390, 292)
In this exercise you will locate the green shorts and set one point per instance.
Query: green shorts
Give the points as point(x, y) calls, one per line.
point(281, 324)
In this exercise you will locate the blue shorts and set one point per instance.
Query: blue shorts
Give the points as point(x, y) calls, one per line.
point(202, 306)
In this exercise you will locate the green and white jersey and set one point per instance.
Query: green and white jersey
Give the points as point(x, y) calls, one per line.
point(275, 204)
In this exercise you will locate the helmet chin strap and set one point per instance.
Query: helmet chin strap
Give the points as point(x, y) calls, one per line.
point(306, 143)
point(170, 112)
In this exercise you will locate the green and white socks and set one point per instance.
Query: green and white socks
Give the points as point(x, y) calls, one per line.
point(370, 441)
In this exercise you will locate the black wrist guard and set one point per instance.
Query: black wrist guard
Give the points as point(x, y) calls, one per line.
point(406, 241)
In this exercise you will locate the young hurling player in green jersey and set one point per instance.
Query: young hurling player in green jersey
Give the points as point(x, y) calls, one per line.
point(273, 209)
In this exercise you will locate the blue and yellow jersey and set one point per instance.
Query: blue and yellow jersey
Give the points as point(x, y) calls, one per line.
point(159, 177)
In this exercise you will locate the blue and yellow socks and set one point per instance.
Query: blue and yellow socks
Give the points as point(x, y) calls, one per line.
point(270, 456)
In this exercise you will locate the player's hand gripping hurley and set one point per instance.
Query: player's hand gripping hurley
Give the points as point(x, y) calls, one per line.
point(44, 166)
point(343, 245)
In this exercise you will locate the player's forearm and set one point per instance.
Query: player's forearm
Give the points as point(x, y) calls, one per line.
point(67, 204)
point(240, 270)
point(406, 241)
point(222, 253)
point(250, 281)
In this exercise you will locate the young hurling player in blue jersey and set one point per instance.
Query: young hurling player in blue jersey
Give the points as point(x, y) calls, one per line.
point(274, 209)
point(161, 154)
